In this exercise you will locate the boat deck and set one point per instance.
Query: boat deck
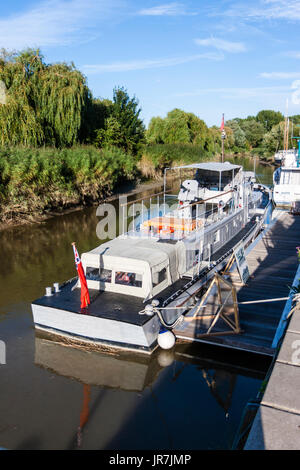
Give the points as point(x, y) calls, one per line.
point(112, 306)
point(272, 264)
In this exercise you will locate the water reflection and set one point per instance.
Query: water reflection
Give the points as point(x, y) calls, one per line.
point(114, 369)
point(150, 379)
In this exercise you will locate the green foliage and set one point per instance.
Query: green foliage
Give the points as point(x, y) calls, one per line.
point(274, 139)
point(111, 135)
point(254, 131)
point(156, 157)
point(269, 118)
point(239, 135)
point(122, 126)
point(44, 102)
point(34, 180)
point(179, 127)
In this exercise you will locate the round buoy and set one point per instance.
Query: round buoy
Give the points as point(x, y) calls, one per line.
point(165, 358)
point(166, 339)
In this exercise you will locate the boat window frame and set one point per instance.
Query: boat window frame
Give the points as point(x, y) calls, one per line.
point(113, 286)
point(162, 285)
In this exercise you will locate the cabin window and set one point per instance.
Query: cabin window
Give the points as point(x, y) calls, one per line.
point(92, 274)
point(217, 236)
point(158, 278)
point(102, 275)
point(128, 279)
point(105, 275)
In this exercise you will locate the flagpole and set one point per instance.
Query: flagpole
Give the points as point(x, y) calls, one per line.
point(222, 158)
point(84, 295)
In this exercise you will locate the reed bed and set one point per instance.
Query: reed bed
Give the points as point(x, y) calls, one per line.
point(34, 181)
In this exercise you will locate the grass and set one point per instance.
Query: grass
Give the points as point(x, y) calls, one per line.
point(156, 157)
point(33, 181)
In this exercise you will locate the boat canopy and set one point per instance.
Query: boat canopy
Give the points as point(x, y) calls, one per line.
point(210, 166)
point(151, 265)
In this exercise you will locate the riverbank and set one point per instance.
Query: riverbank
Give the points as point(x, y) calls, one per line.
point(37, 184)
point(128, 189)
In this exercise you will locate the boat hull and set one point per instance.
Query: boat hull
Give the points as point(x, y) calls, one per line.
point(97, 331)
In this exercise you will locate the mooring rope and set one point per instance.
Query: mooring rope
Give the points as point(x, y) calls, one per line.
point(156, 309)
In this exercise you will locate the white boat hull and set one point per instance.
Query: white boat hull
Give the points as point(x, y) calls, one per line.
point(98, 330)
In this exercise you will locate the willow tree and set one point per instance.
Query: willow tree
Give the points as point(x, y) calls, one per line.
point(45, 103)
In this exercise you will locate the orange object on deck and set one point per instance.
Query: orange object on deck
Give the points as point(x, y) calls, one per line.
point(171, 224)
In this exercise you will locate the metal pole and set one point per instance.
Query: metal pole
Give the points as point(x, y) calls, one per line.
point(133, 217)
point(222, 157)
point(123, 222)
point(165, 184)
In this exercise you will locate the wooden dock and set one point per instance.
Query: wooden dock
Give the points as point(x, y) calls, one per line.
point(272, 261)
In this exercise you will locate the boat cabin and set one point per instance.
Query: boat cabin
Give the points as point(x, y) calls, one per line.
point(210, 180)
point(138, 267)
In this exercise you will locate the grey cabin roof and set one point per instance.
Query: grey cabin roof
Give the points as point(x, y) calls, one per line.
point(210, 166)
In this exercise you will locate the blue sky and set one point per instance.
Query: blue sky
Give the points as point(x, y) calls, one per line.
point(207, 57)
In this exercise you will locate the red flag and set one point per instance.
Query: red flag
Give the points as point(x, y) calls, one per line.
point(222, 125)
point(85, 296)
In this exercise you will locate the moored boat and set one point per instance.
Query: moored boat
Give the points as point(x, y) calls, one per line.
point(142, 282)
point(286, 180)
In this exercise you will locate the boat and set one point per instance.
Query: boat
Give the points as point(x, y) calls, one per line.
point(280, 156)
point(286, 179)
point(142, 283)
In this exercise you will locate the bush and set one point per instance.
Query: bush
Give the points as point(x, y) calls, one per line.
point(35, 180)
point(157, 157)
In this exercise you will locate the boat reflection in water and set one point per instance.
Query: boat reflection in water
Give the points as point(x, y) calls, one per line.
point(105, 369)
point(163, 374)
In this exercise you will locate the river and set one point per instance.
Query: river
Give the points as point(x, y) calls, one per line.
point(56, 397)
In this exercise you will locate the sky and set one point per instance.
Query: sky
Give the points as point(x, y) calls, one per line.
point(207, 57)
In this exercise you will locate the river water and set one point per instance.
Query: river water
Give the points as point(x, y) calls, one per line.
point(53, 396)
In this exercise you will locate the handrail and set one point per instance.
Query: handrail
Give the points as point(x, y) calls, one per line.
point(144, 198)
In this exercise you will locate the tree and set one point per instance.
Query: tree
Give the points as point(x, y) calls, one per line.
point(238, 133)
point(126, 112)
point(44, 103)
point(273, 140)
point(111, 135)
point(156, 132)
point(94, 115)
point(179, 127)
point(269, 118)
point(254, 131)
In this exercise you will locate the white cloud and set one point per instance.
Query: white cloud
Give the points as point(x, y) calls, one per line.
point(221, 44)
point(147, 64)
point(54, 22)
point(280, 75)
point(169, 9)
point(266, 9)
